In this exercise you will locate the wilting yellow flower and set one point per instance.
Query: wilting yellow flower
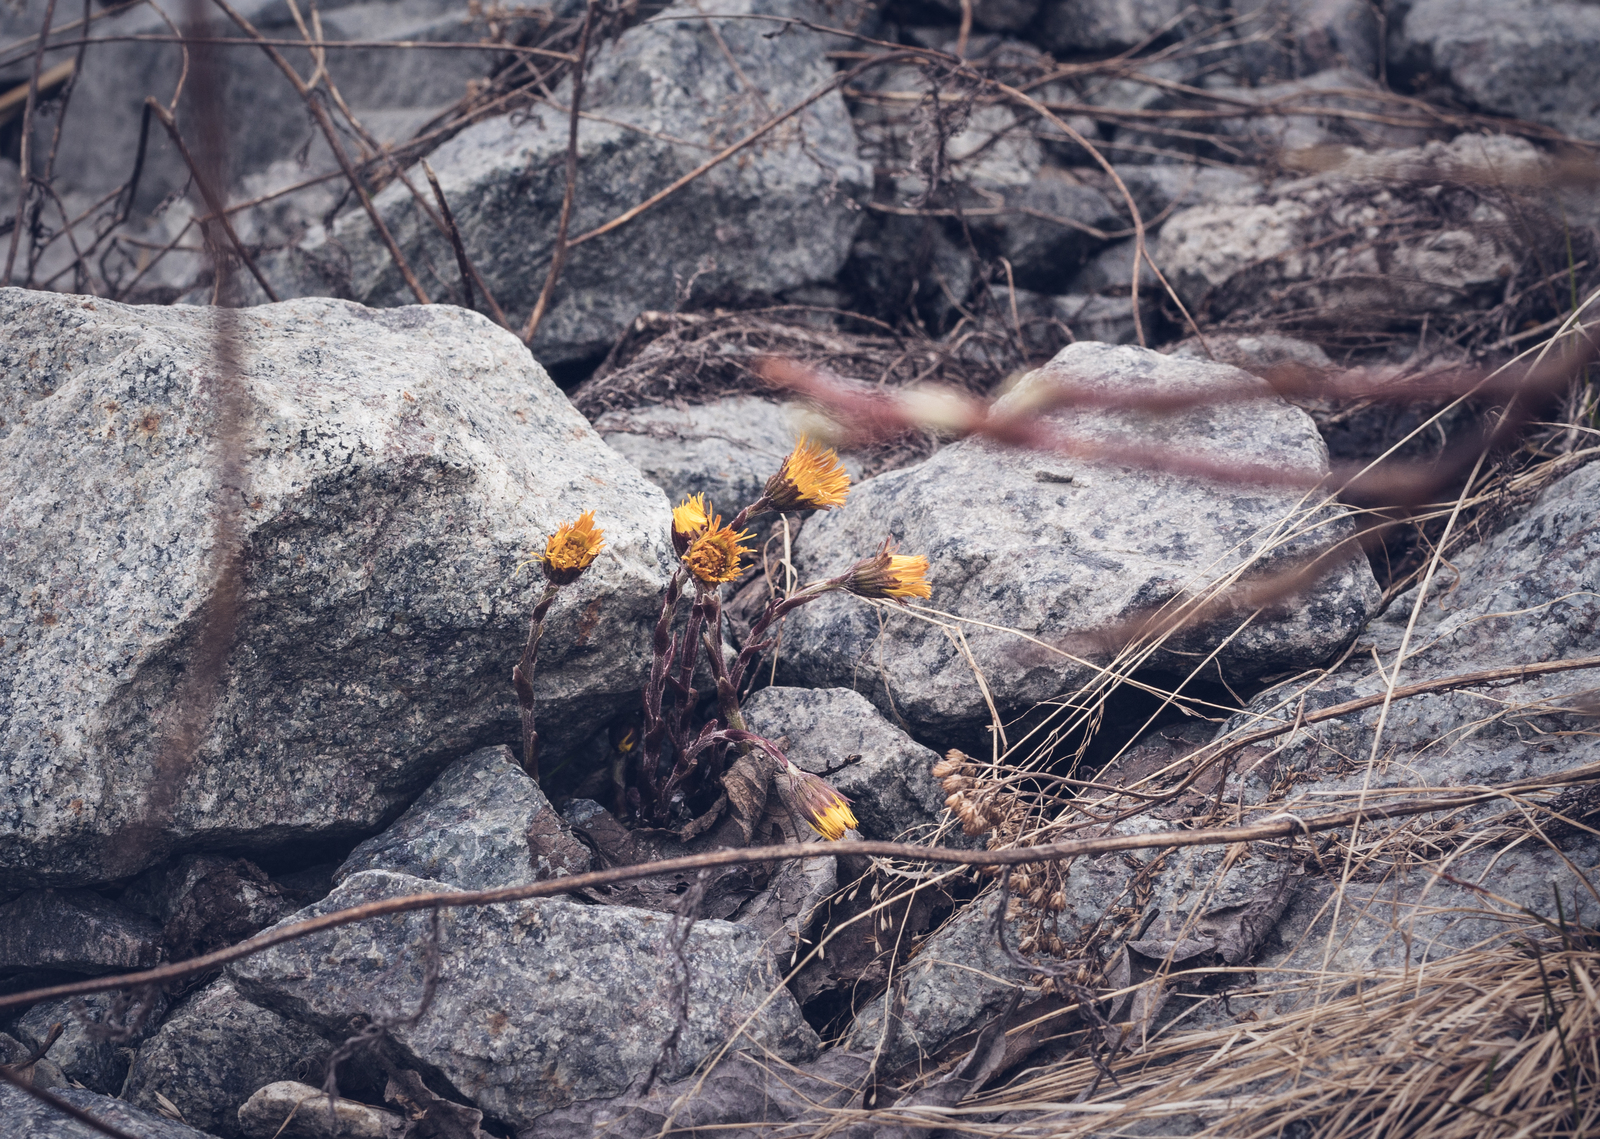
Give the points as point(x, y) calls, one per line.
point(689, 518)
point(713, 556)
point(890, 575)
point(810, 479)
point(825, 809)
point(571, 549)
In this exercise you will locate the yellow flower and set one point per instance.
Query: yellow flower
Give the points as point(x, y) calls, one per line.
point(713, 556)
point(889, 575)
point(689, 518)
point(571, 549)
point(825, 809)
point(810, 479)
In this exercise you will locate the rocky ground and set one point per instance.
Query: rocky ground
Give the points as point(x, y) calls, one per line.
point(1166, 333)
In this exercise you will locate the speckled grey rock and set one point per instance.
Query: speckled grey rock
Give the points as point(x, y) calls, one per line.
point(1305, 243)
point(891, 786)
point(961, 977)
point(1105, 25)
point(1523, 58)
point(779, 216)
point(98, 1064)
point(42, 1073)
point(1307, 36)
point(75, 930)
point(23, 1117)
point(470, 829)
point(398, 463)
point(1530, 593)
point(1059, 548)
point(540, 1002)
point(215, 1050)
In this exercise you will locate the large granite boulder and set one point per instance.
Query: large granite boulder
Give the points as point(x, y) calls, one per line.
point(662, 98)
point(1058, 548)
point(539, 1003)
point(397, 465)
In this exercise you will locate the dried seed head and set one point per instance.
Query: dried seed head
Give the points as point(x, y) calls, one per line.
point(1058, 902)
point(954, 783)
point(1021, 884)
point(825, 809)
point(948, 766)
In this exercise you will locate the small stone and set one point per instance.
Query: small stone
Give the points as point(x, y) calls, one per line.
point(24, 1117)
point(299, 1111)
point(75, 930)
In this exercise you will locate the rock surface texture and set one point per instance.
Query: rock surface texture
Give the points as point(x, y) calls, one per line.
point(1058, 549)
point(471, 829)
point(397, 465)
point(23, 1117)
point(838, 734)
point(513, 1024)
point(780, 217)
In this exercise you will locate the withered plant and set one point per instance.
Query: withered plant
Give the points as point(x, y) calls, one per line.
point(691, 768)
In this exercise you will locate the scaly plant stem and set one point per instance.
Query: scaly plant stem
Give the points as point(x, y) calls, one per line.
point(662, 650)
point(522, 681)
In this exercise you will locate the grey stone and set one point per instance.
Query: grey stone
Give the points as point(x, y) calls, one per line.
point(1043, 227)
point(540, 1002)
point(390, 91)
point(470, 829)
point(742, 1093)
point(1267, 135)
point(780, 216)
point(215, 1050)
point(204, 902)
point(1304, 245)
point(1059, 548)
point(299, 1111)
point(1049, 323)
point(1106, 25)
point(42, 1073)
point(891, 784)
point(787, 910)
point(1525, 58)
point(75, 930)
point(23, 1117)
point(1257, 353)
point(400, 463)
point(85, 1052)
point(961, 977)
point(1307, 36)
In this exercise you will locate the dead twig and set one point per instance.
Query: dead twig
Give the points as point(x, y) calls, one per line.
point(25, 163)
point(1281, 827)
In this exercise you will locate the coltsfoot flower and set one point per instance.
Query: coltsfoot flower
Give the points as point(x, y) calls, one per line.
point(689, 519)
point(571, 549)
point(810, 479)
point(713, 556)
point(889, 575)
point(827, 811)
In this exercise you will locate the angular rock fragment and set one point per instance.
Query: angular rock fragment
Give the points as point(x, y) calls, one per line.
point(299, 1111)
point(662, 98)
point(77, 931)
point(1059, 548)
point(1522, 58)
point(24, 1117)
point(99, 1033)
point(539, 1003)
point(471, 829)
point(398, 464)
point(213, 1053)
point(838, 734)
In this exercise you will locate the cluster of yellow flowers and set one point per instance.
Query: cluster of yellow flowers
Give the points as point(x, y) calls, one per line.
point(811, 478)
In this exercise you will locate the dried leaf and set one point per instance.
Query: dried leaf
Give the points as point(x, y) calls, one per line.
point(429, 1116)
